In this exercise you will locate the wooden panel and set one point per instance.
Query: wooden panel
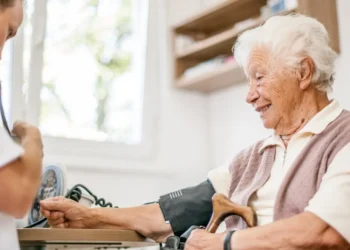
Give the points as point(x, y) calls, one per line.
point(221, 16)
point(77, 235)
point(218, 78)
point(182, 65)
point(324, 11)
point(220, 44)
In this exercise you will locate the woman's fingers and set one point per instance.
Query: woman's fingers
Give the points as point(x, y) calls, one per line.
point(57, 223)
point(55, 215)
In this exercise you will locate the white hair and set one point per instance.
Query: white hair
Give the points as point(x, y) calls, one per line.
point(290, 38)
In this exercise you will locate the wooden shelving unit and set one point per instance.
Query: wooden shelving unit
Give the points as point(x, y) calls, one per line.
point(221, 16)
point(214, 34)
point(209, 47)
point(223, 76)
point(218, 44)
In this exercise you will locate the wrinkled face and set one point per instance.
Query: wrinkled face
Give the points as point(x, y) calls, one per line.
point(10, 20)
point(274, 90)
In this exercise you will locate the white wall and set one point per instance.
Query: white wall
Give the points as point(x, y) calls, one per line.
point(234, 124)
point(342, 77)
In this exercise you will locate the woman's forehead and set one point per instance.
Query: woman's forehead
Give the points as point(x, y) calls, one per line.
point(259, 53)
point(258, 57)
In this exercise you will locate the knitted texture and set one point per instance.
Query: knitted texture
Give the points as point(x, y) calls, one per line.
point(251, 169)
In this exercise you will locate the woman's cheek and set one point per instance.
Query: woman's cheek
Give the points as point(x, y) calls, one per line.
point(264, 91)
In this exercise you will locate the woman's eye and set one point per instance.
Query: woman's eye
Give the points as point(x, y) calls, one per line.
point(259, 78)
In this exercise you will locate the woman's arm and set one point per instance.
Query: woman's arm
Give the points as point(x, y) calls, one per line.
point(311, 229)
point(20, 178)
point(147, 220)
point(304, 231)
point(173, 214)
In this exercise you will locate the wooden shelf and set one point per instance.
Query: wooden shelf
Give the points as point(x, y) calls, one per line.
point(218, 78)
point(220, 44)
point(221, 16)
point(210, 47)
point(214, 34)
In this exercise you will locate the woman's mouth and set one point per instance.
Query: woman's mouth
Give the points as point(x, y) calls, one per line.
point(263, 109)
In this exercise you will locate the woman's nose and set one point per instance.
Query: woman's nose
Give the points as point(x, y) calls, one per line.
point(252, 95)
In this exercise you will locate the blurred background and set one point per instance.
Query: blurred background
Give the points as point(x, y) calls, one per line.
point(135, 101)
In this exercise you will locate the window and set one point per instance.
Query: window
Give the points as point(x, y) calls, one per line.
point(5, 77)
point(83, 68)
point(79, 71)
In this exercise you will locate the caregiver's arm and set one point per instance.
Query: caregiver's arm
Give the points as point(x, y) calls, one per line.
point(20, 169)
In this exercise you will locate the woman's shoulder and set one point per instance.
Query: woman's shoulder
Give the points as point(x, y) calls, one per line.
point(345, 114)
point(253, 149)
point(342, 122)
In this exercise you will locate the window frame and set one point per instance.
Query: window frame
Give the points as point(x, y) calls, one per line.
point(16, 99)
point(76, 152)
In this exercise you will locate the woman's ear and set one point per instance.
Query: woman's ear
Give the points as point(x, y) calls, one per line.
point(306, 72)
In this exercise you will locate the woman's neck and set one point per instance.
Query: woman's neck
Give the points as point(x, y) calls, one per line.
point(309, 107)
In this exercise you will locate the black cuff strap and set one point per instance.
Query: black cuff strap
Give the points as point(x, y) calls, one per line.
point(227, 241)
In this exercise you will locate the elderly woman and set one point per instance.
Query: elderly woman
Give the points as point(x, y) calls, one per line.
point(297, 180)
point(20, 164)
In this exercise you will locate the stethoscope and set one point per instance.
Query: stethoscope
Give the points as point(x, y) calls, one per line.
point(2, 111)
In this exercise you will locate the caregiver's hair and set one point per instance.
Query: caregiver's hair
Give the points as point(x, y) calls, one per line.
point(290, 38)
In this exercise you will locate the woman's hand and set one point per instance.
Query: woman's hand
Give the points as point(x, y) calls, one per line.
point(202, 240)
point(66, 213)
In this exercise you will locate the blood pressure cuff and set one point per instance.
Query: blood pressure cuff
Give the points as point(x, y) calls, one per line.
point(187, 207)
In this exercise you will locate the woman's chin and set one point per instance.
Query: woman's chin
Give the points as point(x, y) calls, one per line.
point(267, 123)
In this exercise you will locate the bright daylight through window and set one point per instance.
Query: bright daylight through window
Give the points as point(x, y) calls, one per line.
point(91, 85)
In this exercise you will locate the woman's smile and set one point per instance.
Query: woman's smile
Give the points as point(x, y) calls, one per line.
point(263, 109)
